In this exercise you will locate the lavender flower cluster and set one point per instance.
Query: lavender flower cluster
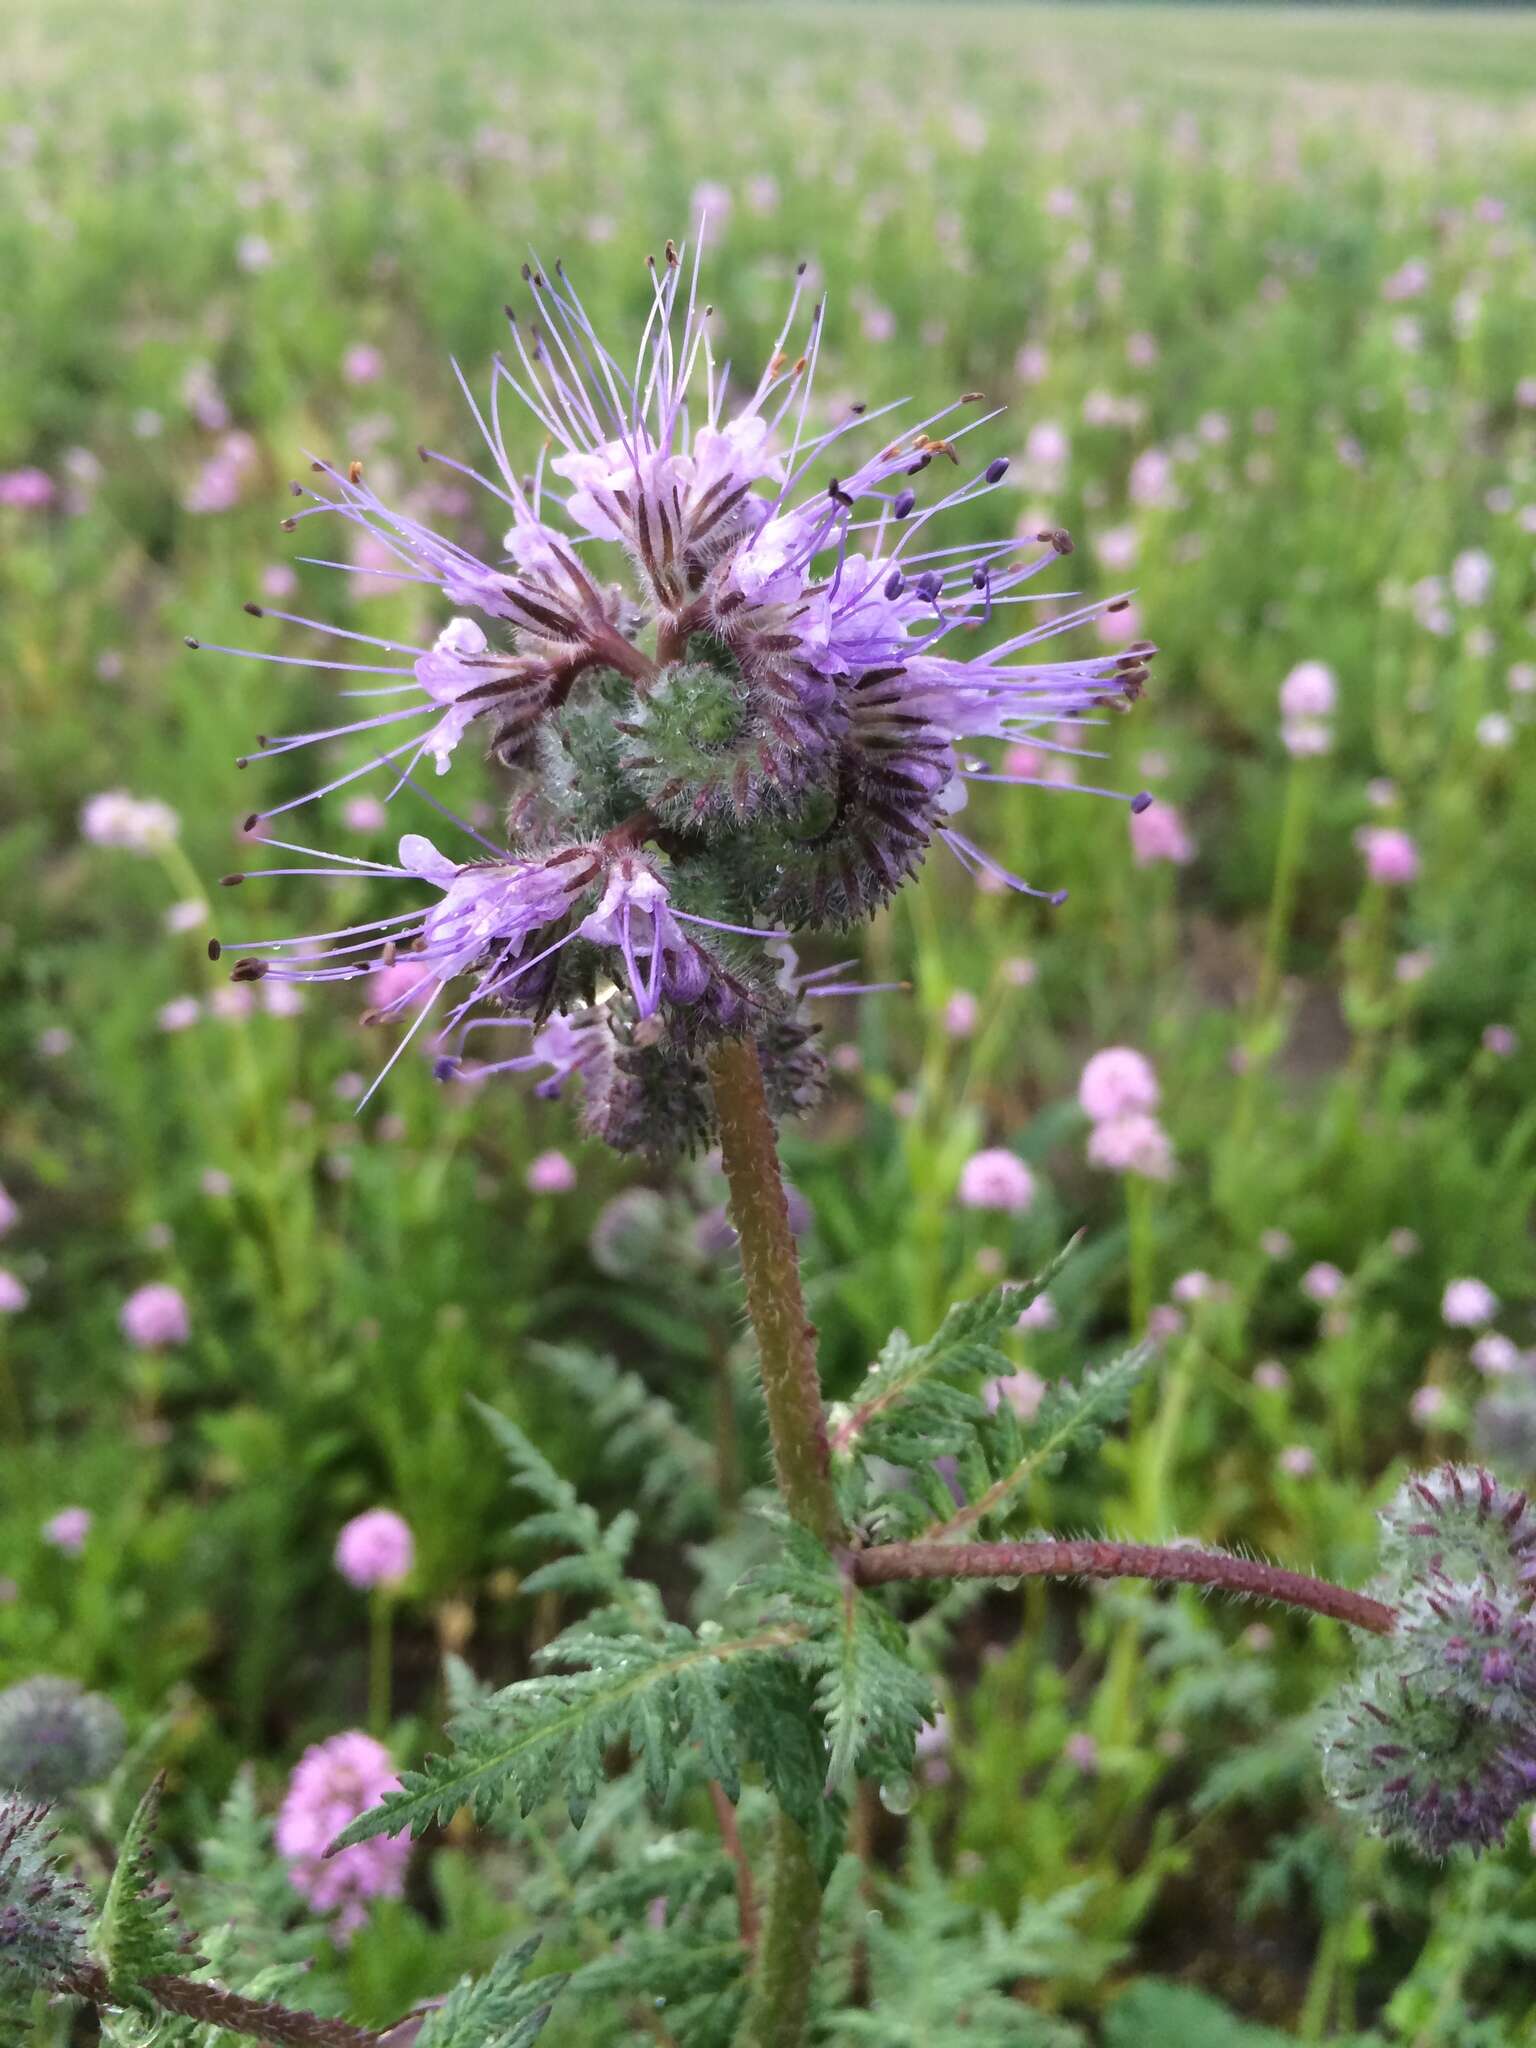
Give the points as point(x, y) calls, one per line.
point(1435, 1741)
point(757, 734)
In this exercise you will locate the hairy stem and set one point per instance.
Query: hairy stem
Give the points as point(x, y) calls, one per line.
point(797, 1425)
point(786, 1957)
point(746, 1890)
point(1090, 1559)
point(786, 1341)
point(211, 2003)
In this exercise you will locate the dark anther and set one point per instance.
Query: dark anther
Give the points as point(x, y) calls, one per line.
point(917, 468)
point(230, 881)
point(214, 949)
point(1057, 899)
point(928, 585)
point(997, 469)
point(194, 644)
point(289, 525)
point(895, 584)
point(249, 970)
point(902, 503)
point(972, 397)
point(1061, 541)
point(1140, 802)
point(251, 822)
point(838, 495)
point(801, 269)
point(981, 576)
point(242, 760)
point(527, 274)
point(295, 489)
point(444, 1067)
point(255, 611)
point(1119, 604)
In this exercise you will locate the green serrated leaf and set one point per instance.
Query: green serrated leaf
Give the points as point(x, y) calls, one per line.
point(138, 1935)
point(498, 2010)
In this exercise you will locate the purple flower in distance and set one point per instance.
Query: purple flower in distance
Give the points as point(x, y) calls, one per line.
point(996, 1179)
point(28, 490)
point(155, 1316)
point(1391, 857)
point(1117, 1082)
point(332, 1783)
point(1468, 1304)
point(9, 1211)
point(13, 1293)
point(375, 1548)
point(551, 1174)
point(68, 1530)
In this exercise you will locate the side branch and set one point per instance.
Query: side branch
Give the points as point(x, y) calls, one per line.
point(1085, 1558)
point(232, 2011)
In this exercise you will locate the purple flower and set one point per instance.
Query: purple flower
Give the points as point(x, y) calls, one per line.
point(551, 1174)
point(1159, 834)
point(332, 1783)
point(1116, 1083)
point(375, 1549)
point(132, 824)
point(761, 733)
point(996, 1179)
point(1391, 857)
point(1322, 1282)
point(1135, 1143)
point(1468, 1304)
point(28, 490)
point(1022, 1390)
point(9, 1212)
point(68, 1530)
point(155, 1316)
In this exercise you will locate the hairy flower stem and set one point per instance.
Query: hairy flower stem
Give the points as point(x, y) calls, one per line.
point(786, 1958)
point(235, 2014)
point(1085, 1558)
point(797, 1425)
point(786, 1341)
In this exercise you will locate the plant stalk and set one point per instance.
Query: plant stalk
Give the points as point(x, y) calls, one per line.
point(1085, 1558)
point(785, 1961)
point(256, 2018)
point(770, 1265)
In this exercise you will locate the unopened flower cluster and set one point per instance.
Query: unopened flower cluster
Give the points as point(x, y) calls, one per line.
point(756, 735)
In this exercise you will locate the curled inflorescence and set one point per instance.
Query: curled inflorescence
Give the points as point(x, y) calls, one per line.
point(1435, 1742)
point(756, 734)
point(56, 1738)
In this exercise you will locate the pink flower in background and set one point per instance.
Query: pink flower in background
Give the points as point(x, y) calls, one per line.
point(332, 1783)
point(393, 989)
point(1271, 1376)
point(364, 814)
point(129, 823)
point(1322, 1282)
point(279, 581)
point(362, 363)
point(996, 1179)
point(1040, 1315)
point(1495, 1354)
point(155, 1316)
point(961, 1013)
point(1135, 1143)
point(1391, 857)
point(1500, 1040)
point(1472, 577)
point(550, 1174)
point(1158, 833)
point(1022, 1390)
point(1427, 1405)
point(68, 1530)
point(13, 1295)
point(1468, 1304)
point(179, 1014)
point(375, 1549)
point(1297, 1461)
point(1116, 1082)
point(1276, 1244)
point(9, 1212)
point(27, 490)
point(1082, 1752)
point(1309, 691)
point(1164, 1322)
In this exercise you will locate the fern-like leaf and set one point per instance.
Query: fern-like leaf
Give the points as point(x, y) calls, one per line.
point(641, 1431)
point(662, 1695)
point(871, 1697)
point(138, 1934)
point(498, 2010)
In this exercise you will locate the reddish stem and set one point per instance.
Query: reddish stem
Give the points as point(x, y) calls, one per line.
point(1091, 1559)
point(746, 1890)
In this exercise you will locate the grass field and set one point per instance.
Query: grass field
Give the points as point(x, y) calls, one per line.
point(1259, 291)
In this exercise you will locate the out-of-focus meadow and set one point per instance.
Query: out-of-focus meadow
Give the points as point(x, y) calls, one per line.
point(1259, 291)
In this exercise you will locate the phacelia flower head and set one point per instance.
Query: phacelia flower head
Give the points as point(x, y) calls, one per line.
point(69, 1530)
point(1135, 1143)
point(758, 733)
point(1391, 857)
point(332, 1783)
point(376, 1548)
point(1435, 1741)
